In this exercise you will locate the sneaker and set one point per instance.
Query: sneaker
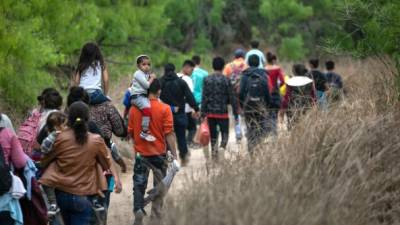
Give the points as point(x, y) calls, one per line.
point(97, 207)
point(147, 136)
point(53, 210)
point(139, 216)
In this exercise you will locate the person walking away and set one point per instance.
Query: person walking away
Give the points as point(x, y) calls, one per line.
point(151, 155)
point(255, 51)
point(11, 154)
point(300, 95)
point(276, 80)
point(321, 84)
point(75, 156)
point(198, 76)
point(255, 99)
point(217, 95)
point(185, 74)
point(49, 101)
point(176, 93)
point(335, 82)
point(142, 79)
point(233, 71)
point(92, 74)
point(104, 120)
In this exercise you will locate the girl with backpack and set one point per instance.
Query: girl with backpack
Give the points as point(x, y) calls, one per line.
point(11, 154)
point(49, 101)
point(91, 74)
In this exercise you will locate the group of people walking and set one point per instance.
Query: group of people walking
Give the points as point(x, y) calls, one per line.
point(71, 152)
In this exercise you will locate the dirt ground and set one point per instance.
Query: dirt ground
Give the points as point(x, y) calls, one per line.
point(121, 206)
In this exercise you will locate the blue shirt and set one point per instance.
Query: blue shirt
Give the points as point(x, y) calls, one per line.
point(198, 76)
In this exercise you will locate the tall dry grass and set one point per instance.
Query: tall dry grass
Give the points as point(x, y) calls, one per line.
point(336, 167)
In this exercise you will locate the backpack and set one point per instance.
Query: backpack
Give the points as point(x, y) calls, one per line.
point(255, 90)
point(301, 96)
point(28, 131)
point(236, 75)
point(5, 176)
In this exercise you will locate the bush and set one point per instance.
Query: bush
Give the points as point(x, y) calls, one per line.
point(293, 48)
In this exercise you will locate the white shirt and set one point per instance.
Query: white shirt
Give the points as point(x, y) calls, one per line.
point(91, 78)
point(259, 54)
point(189, 82)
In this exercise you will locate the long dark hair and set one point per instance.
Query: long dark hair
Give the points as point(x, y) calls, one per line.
point(90, 55)
point(78, 118)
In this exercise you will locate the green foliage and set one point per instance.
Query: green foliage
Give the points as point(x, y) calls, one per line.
point(292, 48)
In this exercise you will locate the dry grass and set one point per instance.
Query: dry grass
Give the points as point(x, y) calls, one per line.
point(339, 167)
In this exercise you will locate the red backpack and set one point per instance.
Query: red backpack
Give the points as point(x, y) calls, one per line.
point(28, 131)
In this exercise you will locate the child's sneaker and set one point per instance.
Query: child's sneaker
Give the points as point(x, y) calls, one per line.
point(97, 207)
point(53, 210)
point(147, 136)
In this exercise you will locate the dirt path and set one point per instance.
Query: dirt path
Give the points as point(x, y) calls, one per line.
point(121, 206)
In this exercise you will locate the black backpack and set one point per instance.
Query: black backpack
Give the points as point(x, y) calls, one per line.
point(5, 176)
point(255, 90)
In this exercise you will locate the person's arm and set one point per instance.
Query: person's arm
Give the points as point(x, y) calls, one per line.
point(243, 90)
point(189, 96)
point(48, 142)
point(227, 70)
point(232, 99)
point(168, 127)
point(204, 99)
point(117, 122)
point(267, 95)
point(18, 156)
point(105, 80)
point(75, 79)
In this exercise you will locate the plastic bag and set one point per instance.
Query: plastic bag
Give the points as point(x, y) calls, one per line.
point(203, 134)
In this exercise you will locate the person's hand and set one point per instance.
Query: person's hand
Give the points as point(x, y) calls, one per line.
point(196, 115)
point(175, 165)
point(153, 76)
point(118, 186)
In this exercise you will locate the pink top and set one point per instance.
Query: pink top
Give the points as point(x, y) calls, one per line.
point(12, 149)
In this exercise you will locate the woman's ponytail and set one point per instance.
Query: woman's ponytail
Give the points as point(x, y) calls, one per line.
point(77, 120)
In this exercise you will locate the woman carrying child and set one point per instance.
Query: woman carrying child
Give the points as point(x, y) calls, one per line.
point(73, 172)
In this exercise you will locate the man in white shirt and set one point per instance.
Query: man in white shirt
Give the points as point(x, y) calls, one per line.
point(255, 51)
point(185, 74)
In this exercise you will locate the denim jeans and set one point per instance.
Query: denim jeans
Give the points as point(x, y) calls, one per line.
point(141, 172)
point(180, 125)
point(272, 120)
point(75, 209)
point(97, 97)
point(223, 126)
point(322, 100)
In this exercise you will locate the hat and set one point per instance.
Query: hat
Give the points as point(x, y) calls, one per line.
point(239, 53)
point(298, 81)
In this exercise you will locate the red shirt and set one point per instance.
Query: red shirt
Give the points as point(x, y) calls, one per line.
point(161, 124)
point(274, 74)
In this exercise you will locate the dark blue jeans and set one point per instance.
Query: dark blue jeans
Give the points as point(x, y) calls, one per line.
point(6, 218)
point(191, 128)
point(180, 125)
point(97, 97)
point(257, 129)
point(141, 172)
point(272, 120)
point(75, 209)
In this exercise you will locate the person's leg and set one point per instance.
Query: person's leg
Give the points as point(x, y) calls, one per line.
point(82, 212)
point(6, 218)
point(97, 97)
point(76, 210)
point(252, 130)
point(180, 124)
point(212, 124)
point(157, 204)
point(191, 128)
point(224, 128)
point(140, 178)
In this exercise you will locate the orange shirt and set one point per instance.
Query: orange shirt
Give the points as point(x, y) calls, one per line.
point(239, 63)
point(161, 124)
